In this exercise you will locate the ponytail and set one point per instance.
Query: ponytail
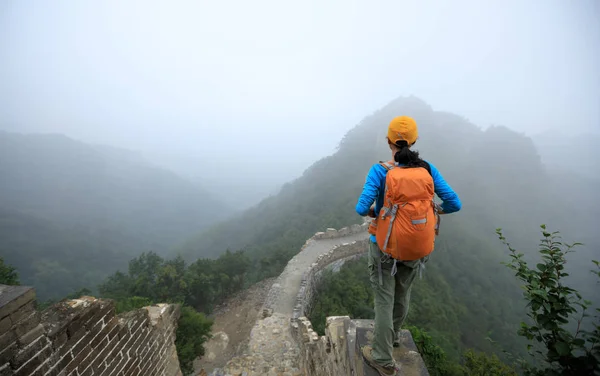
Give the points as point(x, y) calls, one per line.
point(408, 157)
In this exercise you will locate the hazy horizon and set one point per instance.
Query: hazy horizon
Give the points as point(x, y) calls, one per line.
point(263, 123)
point(273, 87)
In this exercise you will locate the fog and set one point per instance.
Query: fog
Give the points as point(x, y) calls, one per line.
point(238, 100)
point(270, 86)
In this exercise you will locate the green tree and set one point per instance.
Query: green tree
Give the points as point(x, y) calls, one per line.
point(144, 272)
point(8, 274)
point(192, 331)
point(131, 303)
point(481, 364)
point(346, 292)
point(433, 355)
point(171, 285)
point(555, 348)
point(201, 285)
point(472, 363)
point(149, 276)
point(117, 286)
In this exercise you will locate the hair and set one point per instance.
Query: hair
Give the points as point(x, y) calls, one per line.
point(408, 157)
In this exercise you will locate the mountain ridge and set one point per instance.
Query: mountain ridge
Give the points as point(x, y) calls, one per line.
point(78, 200)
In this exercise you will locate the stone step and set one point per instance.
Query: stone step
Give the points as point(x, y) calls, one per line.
point(360, 333)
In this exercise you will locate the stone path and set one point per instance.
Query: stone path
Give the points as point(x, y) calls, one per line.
point(272, 351)
point(292, 274)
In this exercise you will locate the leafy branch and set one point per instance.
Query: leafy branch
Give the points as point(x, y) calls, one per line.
point(552, 306)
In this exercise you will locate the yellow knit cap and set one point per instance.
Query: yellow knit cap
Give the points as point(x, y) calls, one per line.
point(403, 128)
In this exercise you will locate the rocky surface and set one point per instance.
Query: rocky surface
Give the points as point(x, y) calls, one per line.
point(233, 322)
point(272, 351)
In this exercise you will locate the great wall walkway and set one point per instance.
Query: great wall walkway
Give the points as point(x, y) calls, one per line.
point(272, 349)
point(292, 275)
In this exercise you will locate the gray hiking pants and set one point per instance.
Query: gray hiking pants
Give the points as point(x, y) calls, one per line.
point(392, 296)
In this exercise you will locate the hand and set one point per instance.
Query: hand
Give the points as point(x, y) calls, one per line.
point(372, 212)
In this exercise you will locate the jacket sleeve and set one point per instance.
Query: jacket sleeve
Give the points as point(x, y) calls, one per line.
point(370, 192)
point(450, 201)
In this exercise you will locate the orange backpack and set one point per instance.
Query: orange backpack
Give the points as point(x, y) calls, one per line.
point(408, 222)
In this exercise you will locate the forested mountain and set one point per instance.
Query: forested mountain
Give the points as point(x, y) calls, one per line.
point(71, 213)
point(466, 294)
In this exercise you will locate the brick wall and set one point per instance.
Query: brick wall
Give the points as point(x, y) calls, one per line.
point(84, 337)
point(330, 233)
point(329, 354)
point(338, 351)
point(311, 277)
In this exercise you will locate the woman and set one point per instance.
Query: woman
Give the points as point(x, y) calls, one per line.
point(391, 279)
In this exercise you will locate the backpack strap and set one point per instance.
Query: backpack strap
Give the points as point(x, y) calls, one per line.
point(391, 164)
point(428, 167)
point(388, 165)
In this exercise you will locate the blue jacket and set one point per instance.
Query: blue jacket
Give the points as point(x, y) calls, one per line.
point(374, 189)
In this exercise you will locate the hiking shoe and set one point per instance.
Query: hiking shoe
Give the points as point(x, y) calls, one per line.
point(397, 339)
point(367, 353)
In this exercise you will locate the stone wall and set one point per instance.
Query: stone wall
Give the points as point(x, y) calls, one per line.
point(338, 351)
point(84, 337)
point(310, 279)
point(327, 355)
point(330, 233)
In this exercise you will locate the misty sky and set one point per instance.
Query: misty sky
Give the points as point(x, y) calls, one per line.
point(263, 82)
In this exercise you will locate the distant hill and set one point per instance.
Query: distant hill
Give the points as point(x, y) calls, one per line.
point(79, 202)
point(242, 189)
point(574, 153)
point(58, 260)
